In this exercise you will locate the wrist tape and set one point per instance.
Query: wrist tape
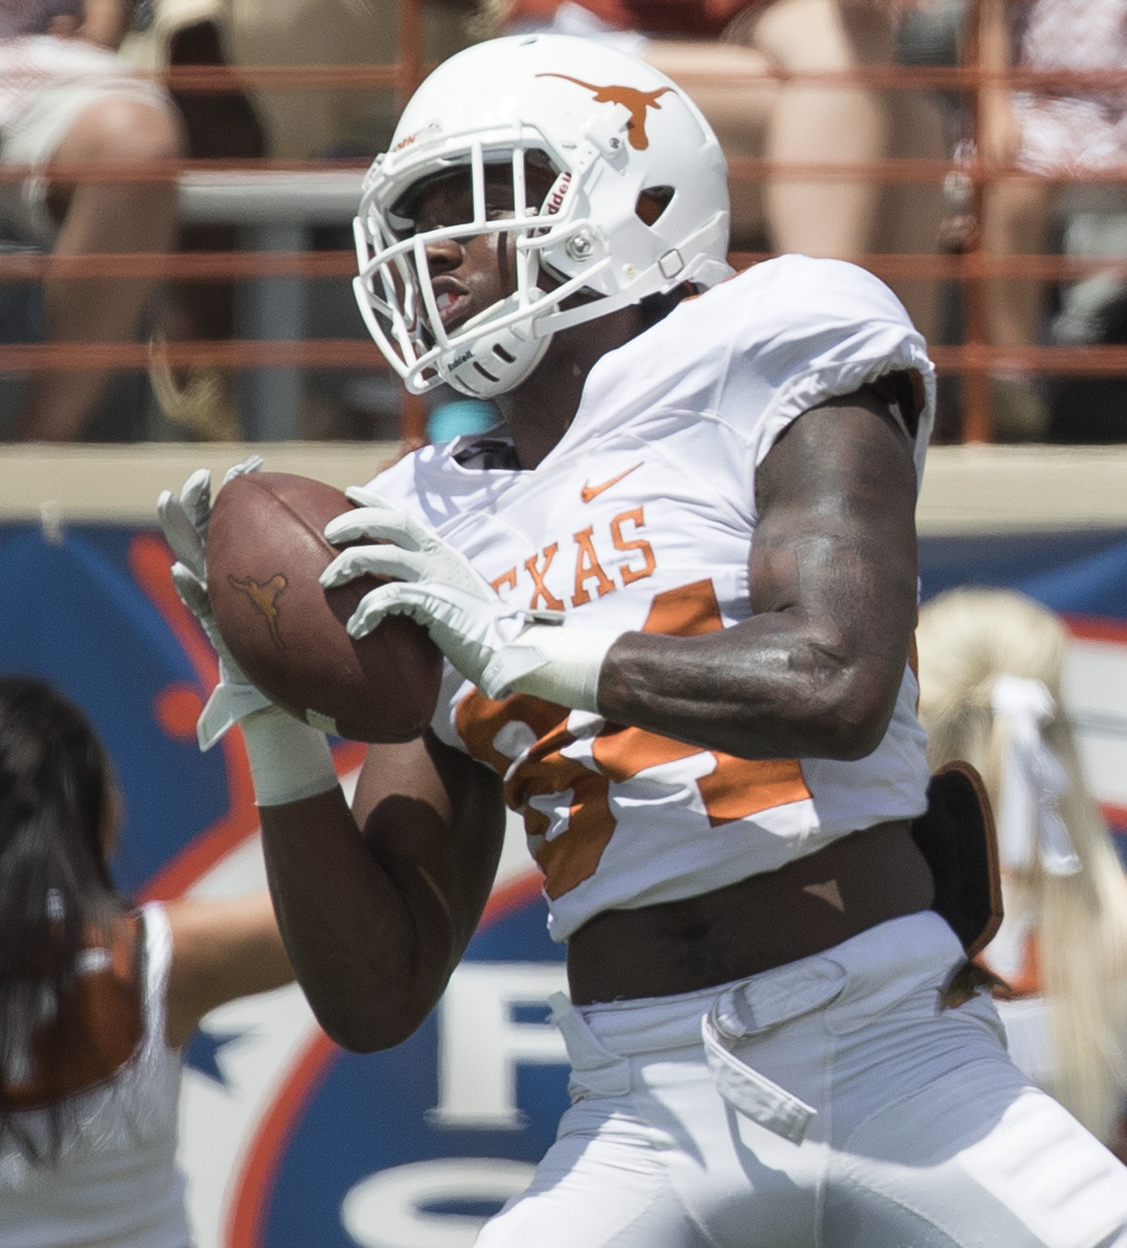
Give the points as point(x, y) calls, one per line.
point(573, 659)
point(288, 759)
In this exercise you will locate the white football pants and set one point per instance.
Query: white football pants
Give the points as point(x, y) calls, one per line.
point(829, 1103)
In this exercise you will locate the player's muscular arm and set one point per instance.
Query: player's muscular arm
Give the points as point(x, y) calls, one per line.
point(376, 920)
point(815, 672)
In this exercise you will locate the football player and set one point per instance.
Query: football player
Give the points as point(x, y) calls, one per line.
point(676, 589)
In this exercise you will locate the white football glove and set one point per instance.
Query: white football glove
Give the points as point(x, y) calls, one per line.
point(500, 648)
point(289, 760)
point(185, 521)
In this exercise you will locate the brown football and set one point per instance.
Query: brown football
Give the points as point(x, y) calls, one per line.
point(265, 550)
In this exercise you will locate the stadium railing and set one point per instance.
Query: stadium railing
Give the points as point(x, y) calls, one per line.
point(279, 201)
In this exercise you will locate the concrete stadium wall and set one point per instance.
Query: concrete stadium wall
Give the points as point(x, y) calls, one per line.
point(966, 490)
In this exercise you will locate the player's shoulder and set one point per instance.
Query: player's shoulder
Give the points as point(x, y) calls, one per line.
point(776, 310)
point(799, 289)
point(780, 316)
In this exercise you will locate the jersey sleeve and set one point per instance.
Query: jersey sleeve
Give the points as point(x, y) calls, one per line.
point(810, 330)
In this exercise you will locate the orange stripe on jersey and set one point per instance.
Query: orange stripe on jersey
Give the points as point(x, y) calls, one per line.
point(574, 854)
point(623, 752)
point(497, 733)
point(481, 721)
point(735, 789)
point(738, 787)
point(687, 611)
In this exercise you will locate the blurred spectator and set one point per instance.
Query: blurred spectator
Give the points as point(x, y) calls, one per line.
point(990, 669)
point(221, 125)
point(96, 998)
point(755, 114)
point(1050, 133)
point(236, 124)
point(1094, 312)
point(67, 97)
point(303, 122)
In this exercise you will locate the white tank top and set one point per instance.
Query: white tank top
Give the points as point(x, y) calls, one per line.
point(116, 1181)
point(642, 517)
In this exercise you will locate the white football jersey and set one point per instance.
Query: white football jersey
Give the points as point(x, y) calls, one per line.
point(642, 518)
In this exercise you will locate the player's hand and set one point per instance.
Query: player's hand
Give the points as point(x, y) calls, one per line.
point(185, 519)
point(435, 585)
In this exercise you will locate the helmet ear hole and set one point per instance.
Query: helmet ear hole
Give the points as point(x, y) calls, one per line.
point(652, 202)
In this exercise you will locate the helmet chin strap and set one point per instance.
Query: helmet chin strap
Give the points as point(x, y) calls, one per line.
point(495, 363)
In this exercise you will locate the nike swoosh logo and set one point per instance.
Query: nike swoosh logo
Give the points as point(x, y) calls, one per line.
point(589, 492)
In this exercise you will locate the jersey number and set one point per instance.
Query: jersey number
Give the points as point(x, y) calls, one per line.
point(496, 733)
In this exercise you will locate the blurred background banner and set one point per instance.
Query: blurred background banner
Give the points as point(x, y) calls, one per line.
point(287, 1141)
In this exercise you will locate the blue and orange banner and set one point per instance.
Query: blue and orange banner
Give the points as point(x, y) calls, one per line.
point(287, 1141)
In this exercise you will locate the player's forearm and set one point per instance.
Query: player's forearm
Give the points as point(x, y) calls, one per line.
point(763, 689)
point(371, 946)
point(816, 669)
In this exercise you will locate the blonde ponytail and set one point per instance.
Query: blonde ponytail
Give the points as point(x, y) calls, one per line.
point(967, 639)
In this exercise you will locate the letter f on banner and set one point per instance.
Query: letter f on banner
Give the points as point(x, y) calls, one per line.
point(480, 1044)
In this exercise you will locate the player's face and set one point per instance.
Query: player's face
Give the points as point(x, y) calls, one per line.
point(469, 275)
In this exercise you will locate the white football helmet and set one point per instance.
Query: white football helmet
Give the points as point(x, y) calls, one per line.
point(608, 127)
